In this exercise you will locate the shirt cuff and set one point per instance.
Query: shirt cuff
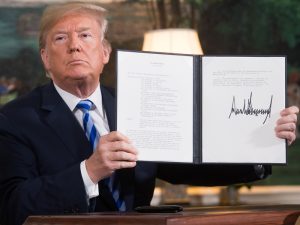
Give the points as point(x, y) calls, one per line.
point(90, 187)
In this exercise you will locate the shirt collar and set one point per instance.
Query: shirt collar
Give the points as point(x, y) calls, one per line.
point(72, 100)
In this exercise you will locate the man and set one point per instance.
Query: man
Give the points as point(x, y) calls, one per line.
point(51, 164)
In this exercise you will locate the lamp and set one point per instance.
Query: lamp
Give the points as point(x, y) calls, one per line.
point(177, 40)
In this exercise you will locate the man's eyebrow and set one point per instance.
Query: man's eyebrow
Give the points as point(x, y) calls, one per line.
point(60, 32)
point(81, 29)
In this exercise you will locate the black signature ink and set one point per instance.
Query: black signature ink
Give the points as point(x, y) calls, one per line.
point(248, 109)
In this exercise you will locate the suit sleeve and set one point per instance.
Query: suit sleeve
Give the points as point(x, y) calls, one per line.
point(211, 175)
point(24, 191)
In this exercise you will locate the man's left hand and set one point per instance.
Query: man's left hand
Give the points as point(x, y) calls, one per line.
point(286, 124)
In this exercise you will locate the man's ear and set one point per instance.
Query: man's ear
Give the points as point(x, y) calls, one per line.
point(106, 51)
point(106, 55)
point(45, 58)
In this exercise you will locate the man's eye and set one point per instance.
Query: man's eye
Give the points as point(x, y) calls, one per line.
point(85, 35)
point(59, 38)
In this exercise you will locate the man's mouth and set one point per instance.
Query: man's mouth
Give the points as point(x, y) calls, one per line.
point(76, 62)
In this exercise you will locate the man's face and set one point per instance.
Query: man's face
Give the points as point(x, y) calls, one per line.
point(74, 51)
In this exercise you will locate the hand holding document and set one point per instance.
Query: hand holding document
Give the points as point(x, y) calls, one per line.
point(209, 109)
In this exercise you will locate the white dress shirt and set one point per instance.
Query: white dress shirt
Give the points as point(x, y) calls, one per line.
point(100, 120)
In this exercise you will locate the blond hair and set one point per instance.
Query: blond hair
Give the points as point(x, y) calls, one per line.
point(54, 13)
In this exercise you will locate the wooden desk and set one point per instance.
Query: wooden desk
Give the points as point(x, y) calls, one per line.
point(239, 215)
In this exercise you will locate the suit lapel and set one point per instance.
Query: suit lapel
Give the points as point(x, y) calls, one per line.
point(108, 102)
point(64, 124)
point(127, 186)
point(125, 176)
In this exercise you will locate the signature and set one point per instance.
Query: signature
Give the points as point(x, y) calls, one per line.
point(248, 109)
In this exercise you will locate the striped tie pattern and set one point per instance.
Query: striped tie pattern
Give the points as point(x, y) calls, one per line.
point(114, 189)
point(88, 124)
point(94, 136)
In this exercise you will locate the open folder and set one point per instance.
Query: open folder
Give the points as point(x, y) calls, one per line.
point(201, 109)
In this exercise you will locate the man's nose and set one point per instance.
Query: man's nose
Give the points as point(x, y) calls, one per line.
point(74, 44)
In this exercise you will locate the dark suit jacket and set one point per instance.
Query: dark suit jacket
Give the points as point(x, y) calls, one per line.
point(42, 145)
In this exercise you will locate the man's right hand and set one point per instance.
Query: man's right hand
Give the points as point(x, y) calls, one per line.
point(114, 151)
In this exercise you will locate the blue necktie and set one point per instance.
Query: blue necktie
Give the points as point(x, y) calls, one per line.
point(94, 136)
point(88, 124)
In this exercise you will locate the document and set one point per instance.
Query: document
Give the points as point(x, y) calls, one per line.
point(242, 98)
point(155, 105)
point(201, 109)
